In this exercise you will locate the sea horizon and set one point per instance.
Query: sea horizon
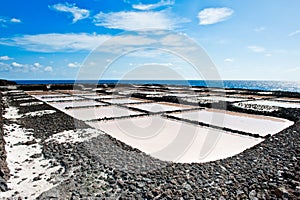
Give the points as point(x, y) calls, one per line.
point(265, 85)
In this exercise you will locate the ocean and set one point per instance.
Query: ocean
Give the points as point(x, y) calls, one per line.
point(288, 86)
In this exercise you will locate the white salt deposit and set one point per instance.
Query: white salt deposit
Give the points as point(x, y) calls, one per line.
point(33, 103)
point(29, 177)
point(174, 140)
point(40, 113)
point(73, 136)
point(262, 125)
point(221, 98)
point(274, 103)
point(160, 107)
point(12, 113)
point(263, 108)
point(24, 99)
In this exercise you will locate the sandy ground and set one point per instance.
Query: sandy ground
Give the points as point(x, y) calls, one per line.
point(73, 136)
point(29, 177)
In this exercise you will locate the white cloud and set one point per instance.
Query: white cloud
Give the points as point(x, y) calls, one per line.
point(55, 42)
point(5, 58)
point(294, 33)
point(78, 13)
point(15, 64)
point(229, 60)
point(257, 49)
point(137, 20)
point(73, 65)
point(37, 65)
point(268, 54)
point(161, 3)
point(15, 20)
point(214, 15)
point(5, 20)
point(259, 29)
point(48, 69)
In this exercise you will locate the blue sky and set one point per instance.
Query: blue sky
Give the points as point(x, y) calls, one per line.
point(246, 40)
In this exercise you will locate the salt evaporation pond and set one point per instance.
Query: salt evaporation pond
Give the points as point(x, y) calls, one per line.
point(100, 112)
point(255, 124)
point(160, 107)
point(169, 132)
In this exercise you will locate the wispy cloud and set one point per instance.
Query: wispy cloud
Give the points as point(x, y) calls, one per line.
point(257, 49)
point(259, 29)
point(138, 20)
point(74, 65)
point(294, 33)
point(161, 3)
point(48, 69)
point(56, 42)
point(214, 15)
point(78, 13)
point(5, 58)
point(4, 67)
point(229, 60)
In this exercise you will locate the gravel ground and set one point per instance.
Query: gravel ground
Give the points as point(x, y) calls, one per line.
point(104, 167)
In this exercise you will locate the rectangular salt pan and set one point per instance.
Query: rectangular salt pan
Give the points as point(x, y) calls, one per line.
point(255, 124)
point(160, 107)
point(125, 101)
point(164, 134)
point(220, 98)
point(102, 96)
point(71, 98)
point(75, 104)
point(100, 112)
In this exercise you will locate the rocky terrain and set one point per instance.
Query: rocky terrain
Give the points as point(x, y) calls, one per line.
point(102, 167)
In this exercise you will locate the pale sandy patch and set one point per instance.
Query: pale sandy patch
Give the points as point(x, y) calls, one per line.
point(73, 136)
point(23, 168)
